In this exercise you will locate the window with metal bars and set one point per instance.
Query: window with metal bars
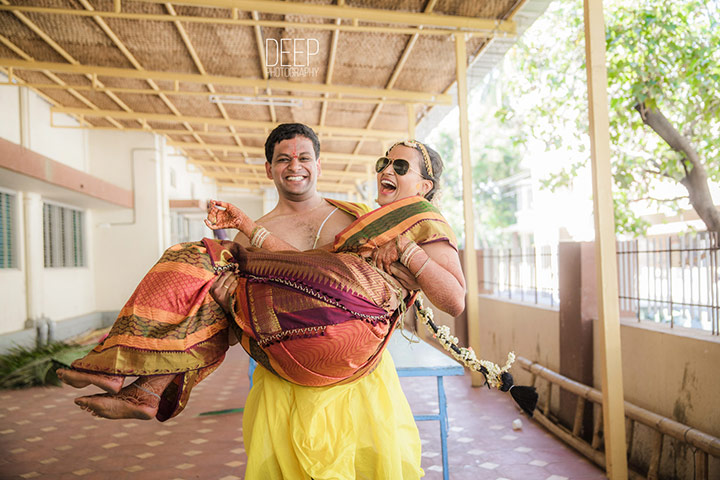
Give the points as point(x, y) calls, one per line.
point(8, 247)
point(64, 236)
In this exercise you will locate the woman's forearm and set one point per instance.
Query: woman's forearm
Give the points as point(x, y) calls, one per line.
point(441, 287)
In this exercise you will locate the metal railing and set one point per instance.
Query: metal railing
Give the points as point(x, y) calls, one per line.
point(527, 275)
point(673, 280)
point(697, 445)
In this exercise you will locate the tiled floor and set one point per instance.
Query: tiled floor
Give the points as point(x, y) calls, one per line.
point(44, 435)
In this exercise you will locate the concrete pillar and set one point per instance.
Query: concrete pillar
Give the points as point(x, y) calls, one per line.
point(24, 113)
point(34, 256)
point(576, 332)
point(269, 198)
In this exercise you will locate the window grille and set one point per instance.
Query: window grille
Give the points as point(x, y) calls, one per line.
point(8, 247)
point(64, 236)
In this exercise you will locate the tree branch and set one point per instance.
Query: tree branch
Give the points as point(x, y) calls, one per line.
point(660, 200)
point(696, 179)
point(653, 118)
point(659, 173)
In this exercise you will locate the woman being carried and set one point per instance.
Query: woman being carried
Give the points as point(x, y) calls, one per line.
point(314, 318)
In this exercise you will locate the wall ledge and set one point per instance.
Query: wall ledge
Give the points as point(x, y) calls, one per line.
point(64, 329)
point(662, 328)
point(552, 308)
point(23, 161)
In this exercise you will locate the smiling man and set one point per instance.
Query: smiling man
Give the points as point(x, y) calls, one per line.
point(363, 429)
point(302, 217)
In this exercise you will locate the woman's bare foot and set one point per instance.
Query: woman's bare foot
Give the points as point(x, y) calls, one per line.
point(77, 379)
point(130, 402)
point(139, 400)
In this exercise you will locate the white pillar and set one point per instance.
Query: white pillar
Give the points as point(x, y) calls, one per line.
point(34, 256)
point(269, 198)
point(163, 179)
point(24, 115)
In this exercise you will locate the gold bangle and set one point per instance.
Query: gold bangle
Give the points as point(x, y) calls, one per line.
point(258, 237)
point(409, 258)
point(410, 250)
point(422, 267)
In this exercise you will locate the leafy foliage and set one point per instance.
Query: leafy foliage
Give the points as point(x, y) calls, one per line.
point(661, 54)
point(496, 152)
point(28, 367)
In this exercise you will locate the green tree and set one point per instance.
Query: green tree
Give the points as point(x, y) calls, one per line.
point(494, 157)
point(663, 83)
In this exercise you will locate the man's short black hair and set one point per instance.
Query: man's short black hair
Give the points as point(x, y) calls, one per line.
point(287, 131)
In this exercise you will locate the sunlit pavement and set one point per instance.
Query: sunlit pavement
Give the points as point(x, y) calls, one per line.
point(44, 435)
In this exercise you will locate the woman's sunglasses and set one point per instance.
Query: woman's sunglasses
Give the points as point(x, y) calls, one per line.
point(400, 165)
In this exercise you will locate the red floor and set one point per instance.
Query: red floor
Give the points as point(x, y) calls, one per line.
point(44, 435)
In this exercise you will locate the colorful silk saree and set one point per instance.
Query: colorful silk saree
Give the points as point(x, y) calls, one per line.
point(313, 318)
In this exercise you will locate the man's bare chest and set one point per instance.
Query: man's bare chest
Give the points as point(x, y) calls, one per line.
point(299, 231)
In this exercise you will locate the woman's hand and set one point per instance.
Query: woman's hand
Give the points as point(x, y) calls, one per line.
point(223, 288)
point(402, 274)
point(227, 216)
point(385, 255)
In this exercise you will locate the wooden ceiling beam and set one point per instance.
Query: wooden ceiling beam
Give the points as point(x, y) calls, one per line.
point(198, 64)
point(164, 117)
point(508, 28)
point(195, 93)
point(330, 66)
point(378, 93)
point(212, 133)
point(260, 151)
point(60, 82)
point(263, 63)
point(379, 15)
point(135, 63)
point(396, 73)
point(120, 45)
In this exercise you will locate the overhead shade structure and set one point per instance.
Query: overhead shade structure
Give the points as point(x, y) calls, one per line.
point(215, 76)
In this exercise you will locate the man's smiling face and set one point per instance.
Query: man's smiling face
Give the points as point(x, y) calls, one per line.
point(294, 168)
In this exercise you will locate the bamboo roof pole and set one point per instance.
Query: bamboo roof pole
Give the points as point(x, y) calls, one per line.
point(330, 67)
point(411, 120)
point(198, 64)
point(451, 23)
point(132, 73)
point(120, 45)
point(263, 61)
point(250, 124)
point(393, 78)
point(191, 93)
point(508, 28)
point(470, 264)
point(605, 255)
point(16, 81)
point(207, 133)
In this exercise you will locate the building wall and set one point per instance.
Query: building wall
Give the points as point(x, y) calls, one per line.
point(126, 242)
point(121, 243)
point(65, 145)
point(12, 280)
point(530, 331)
point(56, 293)
point(671, 373)
point(9, 112)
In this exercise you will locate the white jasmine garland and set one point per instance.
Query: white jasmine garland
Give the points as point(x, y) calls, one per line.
point(492, 371)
